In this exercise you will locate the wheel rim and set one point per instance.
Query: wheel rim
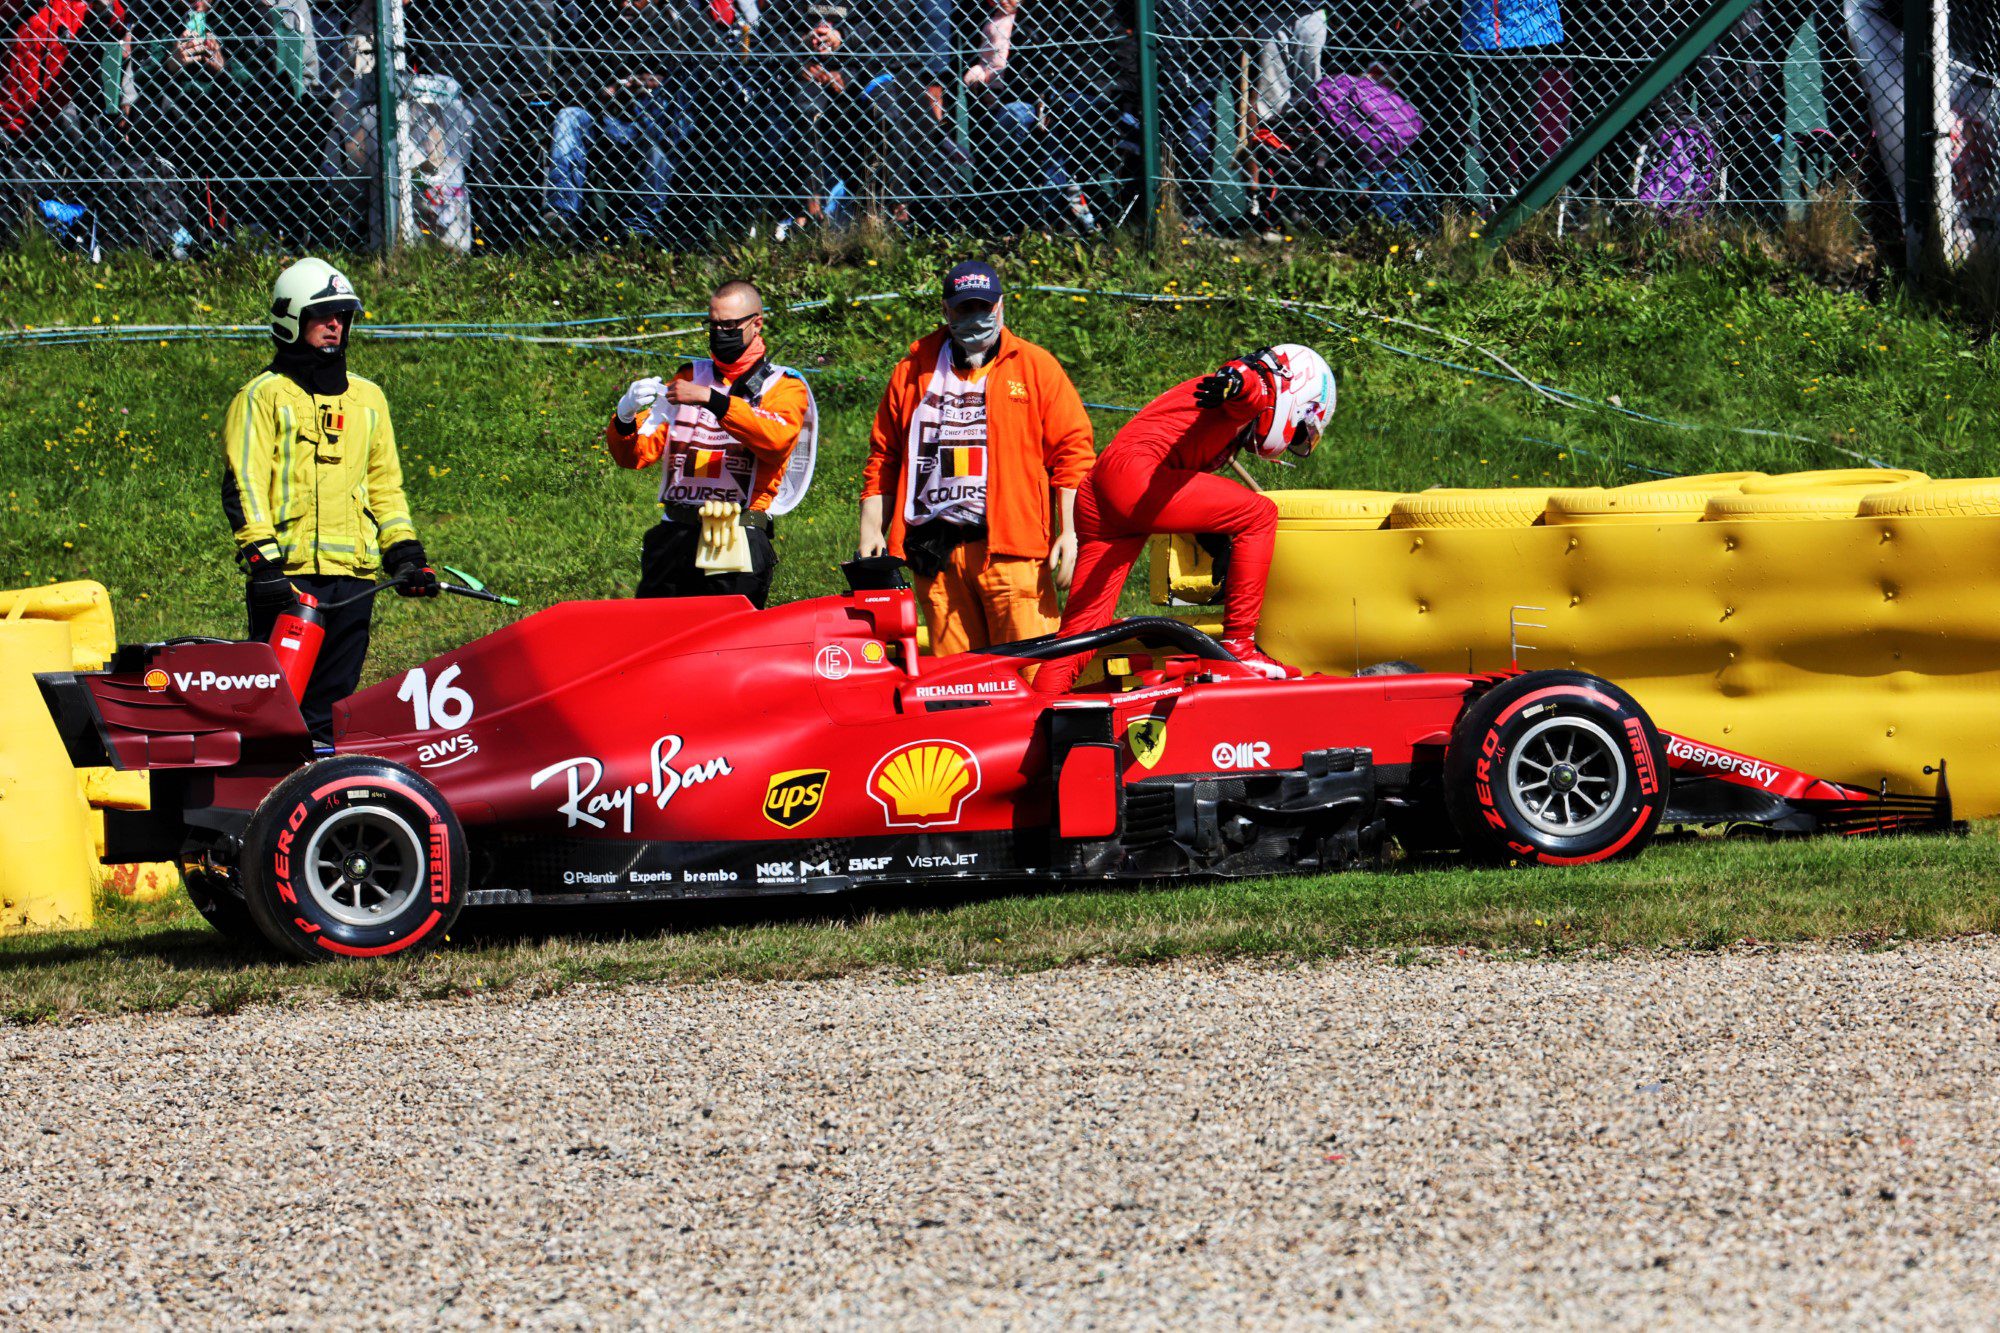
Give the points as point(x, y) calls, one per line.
point(364, 865)
point(1567, 776)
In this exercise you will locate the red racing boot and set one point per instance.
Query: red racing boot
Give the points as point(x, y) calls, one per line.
point(1247, 652)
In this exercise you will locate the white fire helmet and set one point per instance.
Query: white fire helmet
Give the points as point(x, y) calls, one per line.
point(309, 285)
point(1304, 403)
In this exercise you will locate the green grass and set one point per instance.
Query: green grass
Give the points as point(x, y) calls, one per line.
point(109, 462)
point(1701, 894)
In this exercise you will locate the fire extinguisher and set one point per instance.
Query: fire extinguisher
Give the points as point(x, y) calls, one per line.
point(296, 638)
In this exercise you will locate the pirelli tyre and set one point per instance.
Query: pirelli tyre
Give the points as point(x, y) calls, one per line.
point(1555, 767)
point(354, 857)
point(1505, 507)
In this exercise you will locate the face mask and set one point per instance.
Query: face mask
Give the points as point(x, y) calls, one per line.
point(727, 344)
point(975, 331)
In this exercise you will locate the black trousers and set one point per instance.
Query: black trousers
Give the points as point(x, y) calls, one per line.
point(667, 568)
point(338, 669)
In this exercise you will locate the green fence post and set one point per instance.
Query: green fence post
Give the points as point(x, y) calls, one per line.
point(1923, 236)
point(1149, 120)
point(388, 152)
point(1584, 146)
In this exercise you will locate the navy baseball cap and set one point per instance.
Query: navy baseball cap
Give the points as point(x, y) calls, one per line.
point(971, 281)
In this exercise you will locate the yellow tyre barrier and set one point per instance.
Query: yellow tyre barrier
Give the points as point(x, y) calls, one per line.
point(1623, 505)
point(1795, 505)
point(1838, 478)
point(1502, 508)
point(1707, 483)
point(1336, 510)
point(1938, 499)
point(46, 872)
point(1866, 649)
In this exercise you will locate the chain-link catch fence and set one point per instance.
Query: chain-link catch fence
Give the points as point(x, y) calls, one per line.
point(177, 125)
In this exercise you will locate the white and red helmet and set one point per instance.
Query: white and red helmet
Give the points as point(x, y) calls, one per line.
point(1301, 406)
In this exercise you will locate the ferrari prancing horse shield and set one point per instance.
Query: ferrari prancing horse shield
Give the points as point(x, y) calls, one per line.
point(1148, 738)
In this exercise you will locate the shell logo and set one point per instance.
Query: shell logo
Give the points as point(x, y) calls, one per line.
point(872, 653)
point(924, 784)
point(156, 680)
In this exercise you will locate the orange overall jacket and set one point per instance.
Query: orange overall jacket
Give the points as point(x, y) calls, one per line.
point(1037, 435)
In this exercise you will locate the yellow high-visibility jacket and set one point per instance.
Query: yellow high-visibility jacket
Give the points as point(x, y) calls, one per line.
point(313, 481)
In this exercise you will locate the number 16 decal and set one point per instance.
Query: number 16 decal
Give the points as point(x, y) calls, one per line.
point(441, 704)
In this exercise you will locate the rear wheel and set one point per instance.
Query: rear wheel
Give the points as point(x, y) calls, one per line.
point(1556, 767)
point(354, 857)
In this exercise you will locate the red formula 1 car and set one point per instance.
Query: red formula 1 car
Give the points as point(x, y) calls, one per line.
point(625, 751)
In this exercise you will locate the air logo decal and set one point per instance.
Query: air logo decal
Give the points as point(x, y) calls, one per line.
point(924, 784)
point(793, 798)
point(1147, 737)
point(1241, 754)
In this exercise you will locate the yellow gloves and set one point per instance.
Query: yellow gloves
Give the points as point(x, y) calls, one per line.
point(725, 546)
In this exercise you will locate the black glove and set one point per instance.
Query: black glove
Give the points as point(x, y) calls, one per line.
point(1216, 389)
point(270, 590)
point(411, 568)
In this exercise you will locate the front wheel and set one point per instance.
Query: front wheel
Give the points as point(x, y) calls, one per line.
point(1555, 767)
point(354, 857)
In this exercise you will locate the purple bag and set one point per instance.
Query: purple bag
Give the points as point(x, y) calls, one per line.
point(1680, 182)
point(1376, 123)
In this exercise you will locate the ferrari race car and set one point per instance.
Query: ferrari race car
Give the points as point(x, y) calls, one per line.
point(629, 751)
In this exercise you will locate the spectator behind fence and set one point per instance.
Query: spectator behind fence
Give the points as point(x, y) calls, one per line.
point(192, 108)
point(635, 72)
point(39, 86)
point(60, 97)
point(851, 126)
point(1047, 112)
point(1522, 85)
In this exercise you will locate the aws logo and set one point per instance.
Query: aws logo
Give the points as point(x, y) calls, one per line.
point(925, 784)
point(793, 798)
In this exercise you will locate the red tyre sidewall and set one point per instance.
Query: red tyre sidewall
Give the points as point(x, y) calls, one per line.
point(300, 806)
point(1499, 818)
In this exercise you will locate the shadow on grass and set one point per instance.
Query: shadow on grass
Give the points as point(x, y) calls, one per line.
point(182, 948)
point(619, 921)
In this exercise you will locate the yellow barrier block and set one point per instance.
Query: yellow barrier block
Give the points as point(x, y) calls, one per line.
point(83, 605)
point(1856, 648)
point(45, 871)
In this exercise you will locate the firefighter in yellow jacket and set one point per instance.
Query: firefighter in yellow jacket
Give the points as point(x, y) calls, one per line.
point(312, 486)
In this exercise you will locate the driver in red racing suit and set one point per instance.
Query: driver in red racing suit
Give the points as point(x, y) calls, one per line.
point(1157, 475)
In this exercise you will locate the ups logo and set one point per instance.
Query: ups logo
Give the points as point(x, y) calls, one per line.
point(793, 798)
